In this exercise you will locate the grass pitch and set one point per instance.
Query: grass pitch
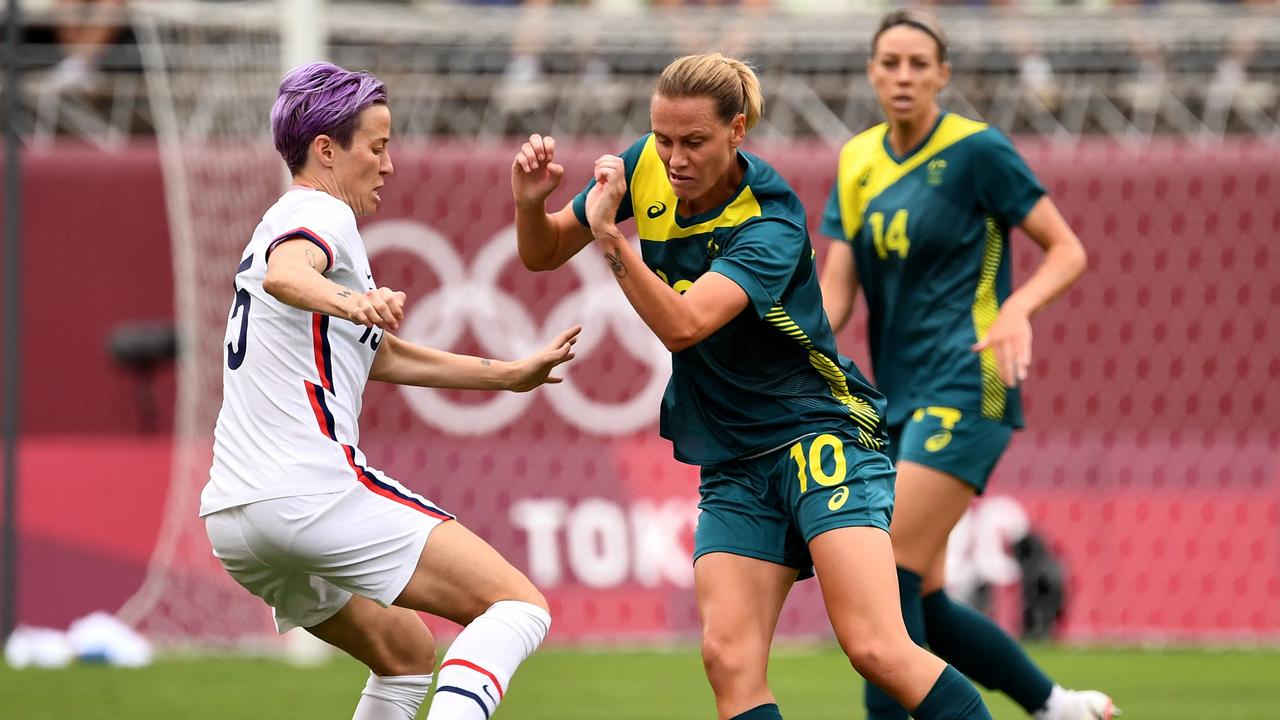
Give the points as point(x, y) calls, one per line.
point(812, 683)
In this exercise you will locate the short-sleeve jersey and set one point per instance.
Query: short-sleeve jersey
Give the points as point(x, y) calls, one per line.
point(293, 380)
point(771, 374)
point(929, 233)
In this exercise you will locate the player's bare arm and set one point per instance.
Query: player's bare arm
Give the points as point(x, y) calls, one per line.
point(1064, 261)
point(404, 363)
point(679, 320)
point(545, 240)
point(839, 284)
point(295, 276)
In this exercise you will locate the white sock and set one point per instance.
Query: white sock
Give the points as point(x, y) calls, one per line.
point(396, 697)
point(482, 659)
point(1053, 708)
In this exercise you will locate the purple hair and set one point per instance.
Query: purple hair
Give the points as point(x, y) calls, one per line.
point(320, 98)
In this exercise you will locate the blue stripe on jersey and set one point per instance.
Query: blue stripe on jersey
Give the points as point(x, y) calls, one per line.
point(465, 693)
point(318, 393)
point(325, 355)
point(304, 234)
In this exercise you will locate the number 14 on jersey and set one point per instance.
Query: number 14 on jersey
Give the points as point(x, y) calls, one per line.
point(894, 239)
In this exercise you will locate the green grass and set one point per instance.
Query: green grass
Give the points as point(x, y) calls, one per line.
point(564, 684)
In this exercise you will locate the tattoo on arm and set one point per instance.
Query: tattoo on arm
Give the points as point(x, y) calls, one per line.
point(311, 258)
point(344, 293)
point(615, 264)
point(486, 362)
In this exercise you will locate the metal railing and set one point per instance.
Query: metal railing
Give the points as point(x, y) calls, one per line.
point(1199, 71)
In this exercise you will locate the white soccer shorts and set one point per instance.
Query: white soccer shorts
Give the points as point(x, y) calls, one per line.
point(306, 555)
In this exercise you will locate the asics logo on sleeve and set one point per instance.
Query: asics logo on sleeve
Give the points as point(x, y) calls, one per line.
point(656, 209)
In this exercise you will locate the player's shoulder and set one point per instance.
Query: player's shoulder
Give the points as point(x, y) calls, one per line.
point(777, 199)
point(316, 211)
point(972, 135)
point(645, 144)
point(865, 144)
point(641, 160)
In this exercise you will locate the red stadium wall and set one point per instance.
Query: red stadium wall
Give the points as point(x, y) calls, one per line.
point(95, 254)
point(1149, 462)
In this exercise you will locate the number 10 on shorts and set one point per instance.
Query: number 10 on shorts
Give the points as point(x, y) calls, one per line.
point(813, 466)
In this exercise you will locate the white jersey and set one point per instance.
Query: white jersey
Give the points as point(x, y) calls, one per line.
point(293, 380)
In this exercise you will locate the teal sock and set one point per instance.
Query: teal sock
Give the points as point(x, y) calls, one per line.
point(879, 705)
point(760, 712)
point(981, 649)
point(951, 698)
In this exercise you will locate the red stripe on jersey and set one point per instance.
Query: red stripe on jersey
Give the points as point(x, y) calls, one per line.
point(318, 349)
point(312, 389)
point(477, 668)
point(372, 484)
point(303, 233)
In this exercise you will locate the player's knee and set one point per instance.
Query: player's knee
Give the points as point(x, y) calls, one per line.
point(403, 648)
point(533, 596)
point(518, 590)
point(404, 658)
point(727, 659)
point(868, 655)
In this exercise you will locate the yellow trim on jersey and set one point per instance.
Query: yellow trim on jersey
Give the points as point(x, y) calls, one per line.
point(866, 169)
point(861, 411)
point(649, 186)
point(985, 310)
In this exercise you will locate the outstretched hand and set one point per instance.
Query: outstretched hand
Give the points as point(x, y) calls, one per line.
point(534, 172)
point(536, 369)
point(1010, 337)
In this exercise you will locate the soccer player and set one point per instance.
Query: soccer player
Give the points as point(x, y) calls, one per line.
point(788, 433)
point(292, 508)
point(921, 213)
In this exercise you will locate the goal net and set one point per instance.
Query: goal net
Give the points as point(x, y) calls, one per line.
point(211, 77)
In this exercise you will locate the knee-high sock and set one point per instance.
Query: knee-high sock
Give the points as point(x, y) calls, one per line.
point(480, 662)
point(951, 698)
point(879, 705)
point(979, 648)
point(392, 698)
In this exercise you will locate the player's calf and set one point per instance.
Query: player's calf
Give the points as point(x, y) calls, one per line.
point(395, 697)
point(479, 664)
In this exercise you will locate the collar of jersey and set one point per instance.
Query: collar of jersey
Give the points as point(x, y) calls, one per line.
point(888, 149)
point(687, 222)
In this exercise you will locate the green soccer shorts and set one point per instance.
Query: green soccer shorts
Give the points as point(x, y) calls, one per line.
point(960, 443)
point(770, 506)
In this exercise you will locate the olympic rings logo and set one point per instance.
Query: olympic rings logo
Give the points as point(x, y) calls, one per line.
point(471, 298)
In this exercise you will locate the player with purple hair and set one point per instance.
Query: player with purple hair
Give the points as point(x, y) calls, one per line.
point(293, 510)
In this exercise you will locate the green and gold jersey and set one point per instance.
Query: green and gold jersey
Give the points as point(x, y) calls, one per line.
point(930, 237)
point(771, 374)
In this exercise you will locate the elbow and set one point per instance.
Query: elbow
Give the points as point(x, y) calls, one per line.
point(681, 339)
point(1079, 261)
point(537, 263)
point(535, 266)
point(276, 286)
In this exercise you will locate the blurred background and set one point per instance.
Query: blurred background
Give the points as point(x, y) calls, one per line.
point(1140, 507)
